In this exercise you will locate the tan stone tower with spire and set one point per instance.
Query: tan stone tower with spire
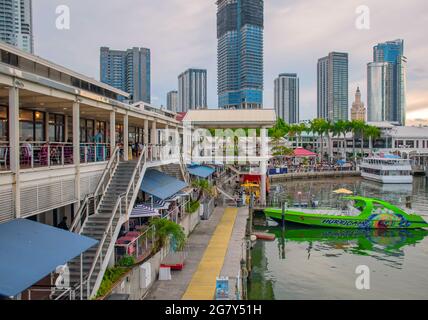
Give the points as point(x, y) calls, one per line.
point(358, 110)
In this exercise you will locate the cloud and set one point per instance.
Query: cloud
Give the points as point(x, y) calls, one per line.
point(182, 34)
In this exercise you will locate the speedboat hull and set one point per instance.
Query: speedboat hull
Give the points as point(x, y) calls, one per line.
point(373, 221)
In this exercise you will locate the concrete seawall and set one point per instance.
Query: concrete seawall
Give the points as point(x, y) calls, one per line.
point(313, 175)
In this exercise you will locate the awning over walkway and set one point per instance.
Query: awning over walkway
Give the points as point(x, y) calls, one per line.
point(144, 211)
point(161, 185)
point(29, 251)
point(302, 153)
point(200, 171)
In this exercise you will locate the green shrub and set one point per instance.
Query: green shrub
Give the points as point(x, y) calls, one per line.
point(192, 206)
point(110, 277)
point(127, 261)
point(164, 229)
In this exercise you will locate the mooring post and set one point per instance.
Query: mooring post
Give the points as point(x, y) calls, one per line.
point(284, 208)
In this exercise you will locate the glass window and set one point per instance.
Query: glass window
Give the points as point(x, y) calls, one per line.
point(31, 125)
point(3, 124)
point(56, 128)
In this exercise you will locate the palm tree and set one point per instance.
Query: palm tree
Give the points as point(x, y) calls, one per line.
point(204, 187)
point(373, 133)
point(302, 128)
point(339, 128)
point(319, 126)
point(357, 128)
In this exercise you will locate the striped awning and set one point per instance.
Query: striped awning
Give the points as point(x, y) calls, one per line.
point(144, 211)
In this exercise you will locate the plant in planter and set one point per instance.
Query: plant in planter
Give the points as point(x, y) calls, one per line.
point(192, 206)
point(111, 276)
point(126, 261)
point(204, 187)
point(164, 229)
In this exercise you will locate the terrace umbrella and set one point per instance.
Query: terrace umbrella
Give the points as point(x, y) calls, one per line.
point(343, 191)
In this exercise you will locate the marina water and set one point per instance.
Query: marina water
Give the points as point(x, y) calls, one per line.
point(317, 263)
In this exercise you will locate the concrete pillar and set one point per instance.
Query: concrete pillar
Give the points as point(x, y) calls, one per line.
point(125, 137)
point(65, 128)
point(46, 126)
point(14, 144)
point(146, 131)
point(154, 135)
point(112, 131)
point(264, 145)
point(76, 152)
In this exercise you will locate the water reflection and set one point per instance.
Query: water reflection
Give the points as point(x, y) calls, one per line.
point(383, 245)
point(309, 263)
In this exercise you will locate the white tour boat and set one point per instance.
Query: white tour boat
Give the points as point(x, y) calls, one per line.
point(387, 169)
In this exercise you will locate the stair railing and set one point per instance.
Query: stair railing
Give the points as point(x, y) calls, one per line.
point(106, 178)
point(81, 215)
point(120, 211)
point(184, 170)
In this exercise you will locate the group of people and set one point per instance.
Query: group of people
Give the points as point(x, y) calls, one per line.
point(309, 166)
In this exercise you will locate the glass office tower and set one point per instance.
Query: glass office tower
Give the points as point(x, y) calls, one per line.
point(240, 54)
point(391, 53)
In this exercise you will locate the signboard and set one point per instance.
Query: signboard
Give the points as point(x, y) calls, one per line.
point(222, 288)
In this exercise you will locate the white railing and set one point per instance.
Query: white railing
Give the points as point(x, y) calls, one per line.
point(4, 156)
point(106, 178)
point(120, 212)
point(81, 215)
point(83, 212)
point(94, 152)
point(139, 248)
point(35, 154)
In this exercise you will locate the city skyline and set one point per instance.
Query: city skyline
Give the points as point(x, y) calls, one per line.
point(305, 42)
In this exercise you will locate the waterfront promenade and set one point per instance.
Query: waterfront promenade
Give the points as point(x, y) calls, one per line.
point(214, 248)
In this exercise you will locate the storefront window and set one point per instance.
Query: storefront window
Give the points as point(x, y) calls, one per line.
point(3, 124)
point(101, 131)
point(56, 128)
point(119, 133)
point(31, 125)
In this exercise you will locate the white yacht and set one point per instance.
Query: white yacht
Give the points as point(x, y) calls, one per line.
point(387, 169)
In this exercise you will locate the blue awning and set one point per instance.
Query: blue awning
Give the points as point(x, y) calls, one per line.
point(29, 251)
point(161, 185)
point(200, 171)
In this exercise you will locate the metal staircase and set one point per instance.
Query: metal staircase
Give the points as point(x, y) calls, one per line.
point(111, 205)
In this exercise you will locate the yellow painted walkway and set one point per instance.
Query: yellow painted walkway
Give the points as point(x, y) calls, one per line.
point(202, 285)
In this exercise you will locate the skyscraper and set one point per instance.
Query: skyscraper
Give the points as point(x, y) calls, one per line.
point(358, 111)
point(127, 70)
point(16, 23)
point(192, 90)
point(172, 101)
point(333, 87)
point(391, 85)
point(240, 26)
point(286, 96)
point(379, 91)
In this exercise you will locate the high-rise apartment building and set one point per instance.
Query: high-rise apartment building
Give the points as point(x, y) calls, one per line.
point(192, 90)
point(127, 70)
point(286, 97)
point(358, 110)
point(333, 87)
point(386, 80)
point(16, 25)
point(240, 26)
point(172, 101)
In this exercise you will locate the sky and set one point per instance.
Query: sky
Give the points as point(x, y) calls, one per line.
point(182, 34)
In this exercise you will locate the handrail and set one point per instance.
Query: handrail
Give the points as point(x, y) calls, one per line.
point(78, 216)
point(115, 211)
point(107, 168)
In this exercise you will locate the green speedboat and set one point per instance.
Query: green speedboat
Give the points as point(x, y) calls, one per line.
point(360, 213)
